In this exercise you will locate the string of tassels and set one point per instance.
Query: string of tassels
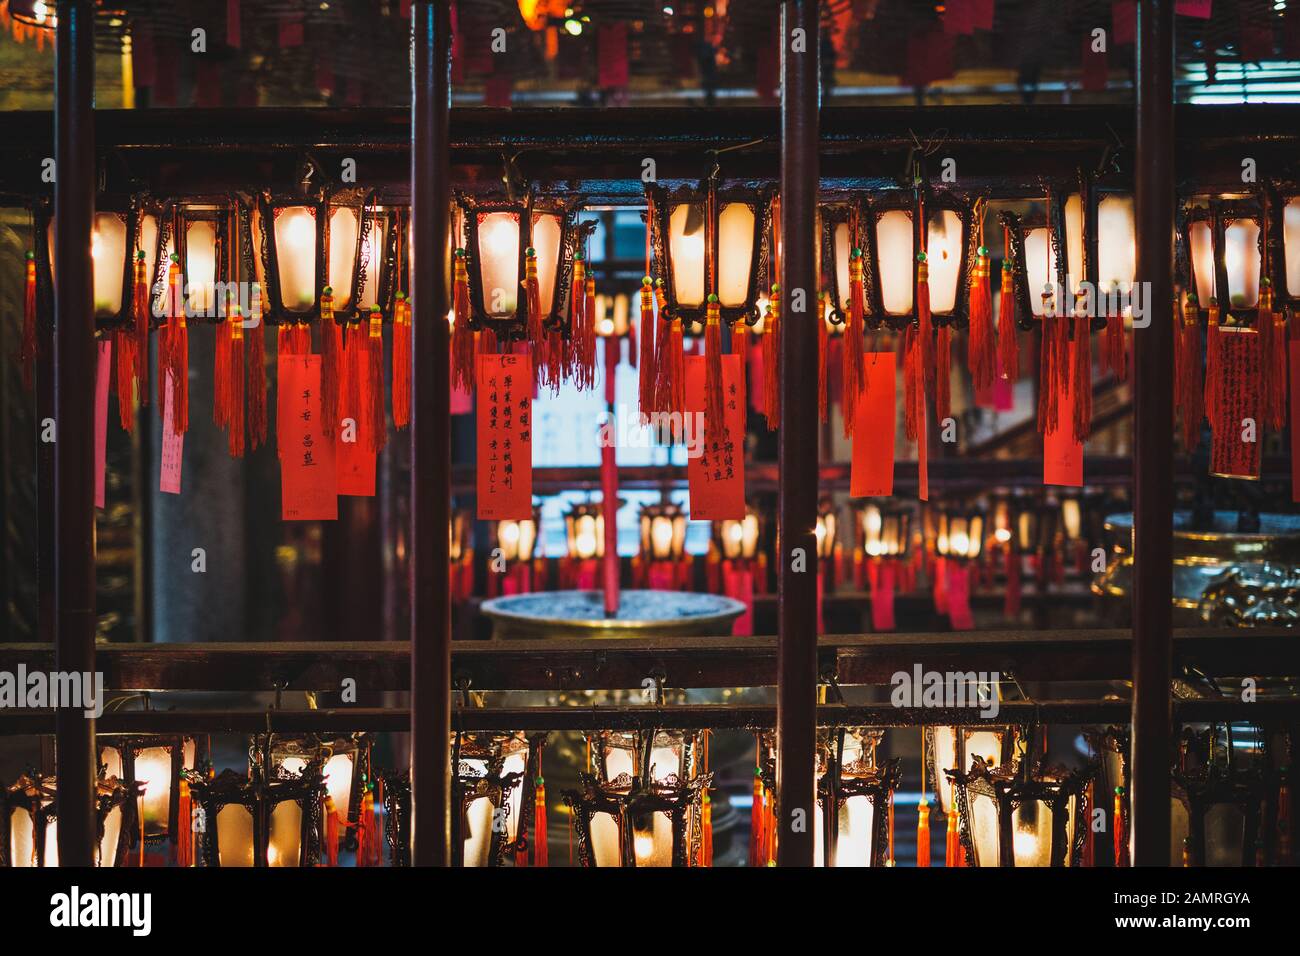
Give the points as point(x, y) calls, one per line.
point(174, 352)
point(1081, 378)
point(1273, 352)
point(331, 362)
point(714, 423)
point(646, 367)
point(1008, 344)
point(372, 395)
point(402, 361)
point(854, 333)
point(981, 350)
point(1188, 394)
point(670, 362)
point(823, 358)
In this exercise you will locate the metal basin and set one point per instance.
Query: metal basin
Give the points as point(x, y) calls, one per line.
point(640, 614)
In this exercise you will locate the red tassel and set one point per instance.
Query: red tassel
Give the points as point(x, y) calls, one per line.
point(402, 361)
point(235, 425)
point(140, 315)
point(372, 406)
point(462, 336)
point(331, 357)
point(27, 348)
point(923, 833)
point(1212, 384)
point(332, 834)
point(670, 372)
point(924, 322)
point(185, 826)
point(772, 361)
point(583, 342)
point(756, 824)
point(981, 352)
point(943, 373)
point(1273, 352)
point(174, 353)
point(713, 397)
point(706, 825)
point(255, 360)
point(555, 361)
point(540, 855)
point(221, 390)
point(1114, 354)
point(124, 378)
point(739, 347)
point(1081, 379)
point(913, 384)
point(823, 355)
point(1054, 369)
point(1008, 346)
point(646, 368)
point(854, 332)
point(352, 357)
point(533, 305)
point(1188, 388)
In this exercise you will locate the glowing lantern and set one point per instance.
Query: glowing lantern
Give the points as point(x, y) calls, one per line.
point(494, 788)
point(960, 536)
point(29, 822)
point(156, 763)
point(1287, 226)
point(738, 540)
point(585, 528)
point(884, 533)
point(290, 236)
point(268, 821)
point(1224, 239)
point(344, 764)
point(663, 532)
point(892, 239)
point(518, 539)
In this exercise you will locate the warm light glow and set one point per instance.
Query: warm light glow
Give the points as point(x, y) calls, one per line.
point(1071, 518)
point(1074, 242)
point(285, 844)
point(944, 253)
point(344, 229)
point(1291, 246)
point(234, 836)
point(373, 257)
point(498, 262)
point(517, 539)
point(108, 250)
point(740, 538)
point(1116, 244)
point(687, 251)
point(295, 251)
point(894, 244)
point(338, 772)
point(1040, 267)
point(1241, 255)
point(201, 265)
point(546, 243)
point(735, 253)
point(153, 768)
point(1202, 243)
point(589, 536)
point(843, 246)
point(661, 536)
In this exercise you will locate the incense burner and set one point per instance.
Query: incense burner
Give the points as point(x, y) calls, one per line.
point(640, 613)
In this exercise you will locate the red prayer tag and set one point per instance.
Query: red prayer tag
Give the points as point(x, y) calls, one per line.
point(1235, 449)
point(505, 437)
point(103, 376)
point(173, 447)
point(308, 476)
point(1062, 455)
point(716, 475)
point(874, 427)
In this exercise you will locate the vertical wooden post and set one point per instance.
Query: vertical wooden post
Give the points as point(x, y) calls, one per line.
point(796, 714)
point(430, 438)
point(74, 401)
point(1154, 421)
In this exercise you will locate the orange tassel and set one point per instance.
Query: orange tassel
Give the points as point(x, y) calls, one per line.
point(646, 368)
point(462, 336)
point(706, 836)
point(1114, 355)
point(952, 845)
point(670, 366)
point(1054, 368)
point(1119, 828)
point(1088, 856)
point(331, 356)
point(943, 373)
point(714, 422)
point(1273, 349)
point(981, 353)
point(924, 321)
point(235, 422)
point(1081, 379)
point(351, 355)
point(255, 362)
point(555, 361)
point(140, 315)
point(1188, 394)
point(124, 378)
point(184, 848)
point(854, 333)
point(823, 350)
point(913, 384)
point(756, 824)
point(332, 834)
point(175, 356)
point(772, 360)
point(1008, 346)
point(923, 834)
point(1212, 385)
point(373, 399)
point(738, 348)
point(402, 361)
point(27, 347)
point(533, 304)
point(583, 342)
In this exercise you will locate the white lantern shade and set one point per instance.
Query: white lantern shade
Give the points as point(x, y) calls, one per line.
point(1242, 258)
point(234, 836)
point(547, 232)
point(1201, 239)
point(284, 844)
point(373, 256)
point(687, 252)
point(843, 247)
point(1073, 242)
point(153, 768)
point(944, 253)
point(338, 772)
point(108, 252)
point(735, 253)
point(895, 256)
point(1116, 244)
point(1291, 245)
point(1040, 268)
point(201, 265)
point(498, 262)
point(295, 256)
point(345, 226)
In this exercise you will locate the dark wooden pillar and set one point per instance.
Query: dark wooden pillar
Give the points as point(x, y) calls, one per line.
point(1154, 422)
point(430, 438)
point(796, 711)
point(74, 401)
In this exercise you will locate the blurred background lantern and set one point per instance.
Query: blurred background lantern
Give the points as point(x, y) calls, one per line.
point(498, 235)
point(958, 543)
point(641, 802)
point(461, 554)
point(156, 763)
point(953, 748)
point(883, 538)
point(737, 567)
point(517, 541)
point(612, 315)
point(663, 560)
point(344, 764)
point(1024, 815)
point(494, 789)
point(709, 239)
point(827, 555)
point(265, 819)
point(1286, 231)
point(29, 822)
point(1217, 801)
point(584, 527)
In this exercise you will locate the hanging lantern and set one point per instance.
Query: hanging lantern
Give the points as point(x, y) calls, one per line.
point(29, 822)
point(612, 315)
point(1225, 244)
point(494, 787)
point(954, 747)
point(882, 543)
point(517, 541)
point(1110, 745)
point(826, 529)
point(839, 233)
point(344, 764)
point(156, 762)
point(892, 240)
point(584, 525)
point(737, 540)
point(266, 820)
point(663, 531)
point(1286, 233)
point(642, 803)
point(113, 241)
point(1216, 800)
point(960, 535)
point(290, 235)
point(203, 232)
point(1019, 817)
point(736, 566)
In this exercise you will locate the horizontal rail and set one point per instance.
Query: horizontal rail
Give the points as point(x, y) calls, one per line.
point(564, 664)
point(685, 717)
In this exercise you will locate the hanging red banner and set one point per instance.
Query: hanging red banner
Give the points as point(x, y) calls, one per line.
point(716, 475)
point(308, 476)
point(354, 462)
point(1062, 455)
point(173, 447)
point(1235, 449)
point(505, 437)
point(874, 427)
point(103, 375)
